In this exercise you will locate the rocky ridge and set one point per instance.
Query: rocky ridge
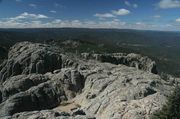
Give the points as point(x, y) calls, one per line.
point(132, 60)
point(38, 81)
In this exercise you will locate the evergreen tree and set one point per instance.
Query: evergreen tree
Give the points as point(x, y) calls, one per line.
point(171, 110)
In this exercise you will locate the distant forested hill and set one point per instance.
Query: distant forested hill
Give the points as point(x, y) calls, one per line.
point(163, 47)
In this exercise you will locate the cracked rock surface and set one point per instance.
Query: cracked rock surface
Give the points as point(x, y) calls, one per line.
point(37, 81)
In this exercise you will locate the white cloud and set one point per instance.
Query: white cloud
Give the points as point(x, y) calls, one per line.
point(121, 12)
point(105, 15)
point(165, 4)
point(178, 20)
point(114, 13)
point(26, 15)
point(34, 16)
point(53, 11)
point(33, 5)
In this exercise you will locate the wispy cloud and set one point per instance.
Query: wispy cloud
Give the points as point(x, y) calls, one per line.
point(33, 5)
point(157, 16)
point(53, 11)
point(18, 0)
point(127, 3)
point(56, 4)
point(166, 4)
point(135, 5)
point(59, 5)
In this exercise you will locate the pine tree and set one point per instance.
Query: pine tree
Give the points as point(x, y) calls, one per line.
point(171, 110)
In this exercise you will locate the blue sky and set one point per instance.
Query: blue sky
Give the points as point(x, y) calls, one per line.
point(122, 14)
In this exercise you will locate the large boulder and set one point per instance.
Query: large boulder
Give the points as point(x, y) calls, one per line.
point(27, 58)
point(44, 96)
point(72, 80)
point(21, 83)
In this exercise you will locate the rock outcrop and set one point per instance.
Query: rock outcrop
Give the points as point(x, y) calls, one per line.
point(27, 58)
point(117, 91)
point(37, 81)
point(132, 60)
point(21, 83)
point(50, 114)
point(44, 96)
point(37, 91)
